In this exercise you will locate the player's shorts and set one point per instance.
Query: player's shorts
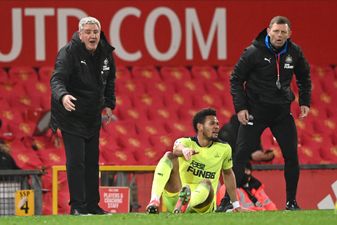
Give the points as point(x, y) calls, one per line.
point(170, 199)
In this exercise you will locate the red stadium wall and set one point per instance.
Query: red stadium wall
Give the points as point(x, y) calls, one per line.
point(314, 186)
point(164, 32)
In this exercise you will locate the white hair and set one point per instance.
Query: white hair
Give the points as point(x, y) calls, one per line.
point(88, 20)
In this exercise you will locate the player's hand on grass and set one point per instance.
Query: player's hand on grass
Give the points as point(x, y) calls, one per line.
point(241, 209)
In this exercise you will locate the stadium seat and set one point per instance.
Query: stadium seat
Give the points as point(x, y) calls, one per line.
point(164, 142)
point(47, 178)
point(321, 72)
point(132, 113)
point(25, 158)
point(316, 112)
point(329, 152)
point(117, 156)
point(324, 126)
point(195, 87)
point(224, 73)
point(175, 73)
point(25, 129)
point(207, 100)
point(150, 128)
point(181, 127)
point(131, 141)
point(309, 155)
point(123, 101)
point(24, 101)
point(11, 116)
point(4, 104)
point(186, 113)
point(52, 156)
point(217, 87)
point(3, 76)
point(304, 126)
point(160, 88)
point(177, 100)
point(148, 155)
point(23, 74)
point(120, 128)
point(107, 140)
point(123, 73)
point(309, 144)
point(205, 73)
point(9, 90)
point(146, 73)
point(38, 89)
point(162, 114)
point(224, 114)
point(127, 87)
point(45, 73)
point(139, 100)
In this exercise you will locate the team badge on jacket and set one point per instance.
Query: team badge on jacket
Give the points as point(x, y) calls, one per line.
point(105, 65)
point(288, 61)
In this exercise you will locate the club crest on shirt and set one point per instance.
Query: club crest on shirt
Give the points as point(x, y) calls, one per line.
point(288, 62)
point(105, 65)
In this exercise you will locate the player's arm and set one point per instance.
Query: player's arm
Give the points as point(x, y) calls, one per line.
point(230, 183)
point(180, 150)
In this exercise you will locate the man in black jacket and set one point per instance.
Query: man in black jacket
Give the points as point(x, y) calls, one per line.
point(260, 86)
point(83, 84)
point(229, 132)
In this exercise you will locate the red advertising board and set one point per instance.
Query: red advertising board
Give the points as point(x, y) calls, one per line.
point(317, 188)
point(115, 199)
point(191, 32)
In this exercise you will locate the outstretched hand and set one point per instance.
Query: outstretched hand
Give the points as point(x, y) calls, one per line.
point(188, 152)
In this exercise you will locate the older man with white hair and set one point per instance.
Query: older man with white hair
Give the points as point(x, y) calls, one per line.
point(83, 84)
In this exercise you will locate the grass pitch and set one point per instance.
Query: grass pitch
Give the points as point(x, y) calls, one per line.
point(305, 217)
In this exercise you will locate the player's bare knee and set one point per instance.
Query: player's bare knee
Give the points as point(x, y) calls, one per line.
point(207, 182)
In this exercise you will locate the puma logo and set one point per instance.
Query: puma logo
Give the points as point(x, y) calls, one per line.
point(266, 59)
point(83, 62)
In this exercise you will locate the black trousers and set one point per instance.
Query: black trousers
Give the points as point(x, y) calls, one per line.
point(82, 169)
point(281, 123)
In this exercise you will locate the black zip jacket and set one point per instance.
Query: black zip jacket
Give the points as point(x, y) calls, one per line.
point(253, 79)
point(90, 79)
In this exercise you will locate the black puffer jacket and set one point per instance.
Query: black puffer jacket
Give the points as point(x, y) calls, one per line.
point(258, 68)
point(90, 79)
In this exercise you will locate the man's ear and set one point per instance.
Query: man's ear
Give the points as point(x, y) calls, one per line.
point(268, 31)
point(199, 126)
point(290, 33)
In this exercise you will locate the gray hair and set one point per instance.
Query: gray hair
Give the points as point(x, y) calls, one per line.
point(88, 20)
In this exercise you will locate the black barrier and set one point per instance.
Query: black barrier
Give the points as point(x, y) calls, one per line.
point(14, 180)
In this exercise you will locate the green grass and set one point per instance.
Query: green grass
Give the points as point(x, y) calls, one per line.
point(305, 217)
